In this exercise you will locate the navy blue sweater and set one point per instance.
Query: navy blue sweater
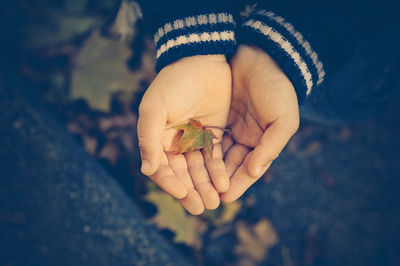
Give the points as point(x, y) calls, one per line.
point(309, 39)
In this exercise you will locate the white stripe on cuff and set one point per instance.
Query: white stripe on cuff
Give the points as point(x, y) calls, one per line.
point(286, 46)
point(196, 38)
point(192, 21)
point(299, 37)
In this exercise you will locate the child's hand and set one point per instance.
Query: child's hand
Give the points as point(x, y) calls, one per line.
point(264, 115)
point(197, 87)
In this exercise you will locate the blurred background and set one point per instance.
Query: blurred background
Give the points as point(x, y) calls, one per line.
point(332, 198)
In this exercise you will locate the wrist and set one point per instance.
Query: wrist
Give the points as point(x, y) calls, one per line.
point(255, 62)
point(253, 56)
point(286, 46)
point(206, 34)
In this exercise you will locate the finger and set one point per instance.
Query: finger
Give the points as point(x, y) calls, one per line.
point(234, 157)
point(240, 182)
point(165, 178)
point(227, 143)
point(216, 169)
point(201, 180)
point(151, 125)
point(177, 162)
point(272, 143)
point(192, 202)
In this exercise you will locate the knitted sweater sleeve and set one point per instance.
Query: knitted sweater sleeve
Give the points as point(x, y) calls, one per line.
point(184, 28)
point(311, 39)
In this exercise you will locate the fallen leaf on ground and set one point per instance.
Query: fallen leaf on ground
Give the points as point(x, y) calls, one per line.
point(171, 215)
point(90, 144)
point(124, 24)
point(255, 241)
point(100, 70)
point(110, 152)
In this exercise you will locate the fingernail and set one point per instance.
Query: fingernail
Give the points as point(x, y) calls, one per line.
point(260, 171)
point(145, 166)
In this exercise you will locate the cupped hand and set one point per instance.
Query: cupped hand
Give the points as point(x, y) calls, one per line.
point(197, 87)
point(264, 114)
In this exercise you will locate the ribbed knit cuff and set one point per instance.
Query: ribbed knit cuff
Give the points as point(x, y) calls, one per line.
point(204, 34)
point(287, 47)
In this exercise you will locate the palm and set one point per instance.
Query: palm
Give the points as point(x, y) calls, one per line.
point(245, 121)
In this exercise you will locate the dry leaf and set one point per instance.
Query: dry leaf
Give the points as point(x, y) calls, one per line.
point(100, 70)
point(128, 14)
point(90, 144)
point(255, 241)
point(195, 137)
point(230, 210)
point(110, 152)
point(171, 215)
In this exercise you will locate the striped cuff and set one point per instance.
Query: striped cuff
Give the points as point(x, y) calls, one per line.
point(287, 47)
point(195, 35)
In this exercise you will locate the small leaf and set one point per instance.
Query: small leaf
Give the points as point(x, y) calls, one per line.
point(195, 137)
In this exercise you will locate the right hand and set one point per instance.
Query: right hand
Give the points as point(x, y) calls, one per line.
point(197, 87)
point(264, 115)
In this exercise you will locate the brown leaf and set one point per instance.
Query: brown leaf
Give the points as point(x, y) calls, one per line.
point(100, 70)
point(110, 152)
point(255, 241)
point(90, 144)
point(188, 229)
point(195, 137)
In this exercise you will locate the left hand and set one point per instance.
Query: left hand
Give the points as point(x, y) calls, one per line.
point(264, 114)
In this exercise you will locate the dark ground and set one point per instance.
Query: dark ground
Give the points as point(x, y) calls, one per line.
point(336, 197)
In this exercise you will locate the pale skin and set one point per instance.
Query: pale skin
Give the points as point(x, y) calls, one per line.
point(197, 87)
point(263, 114)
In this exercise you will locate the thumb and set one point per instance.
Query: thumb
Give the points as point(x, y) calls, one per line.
point(272, 143)
point(150, 128)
